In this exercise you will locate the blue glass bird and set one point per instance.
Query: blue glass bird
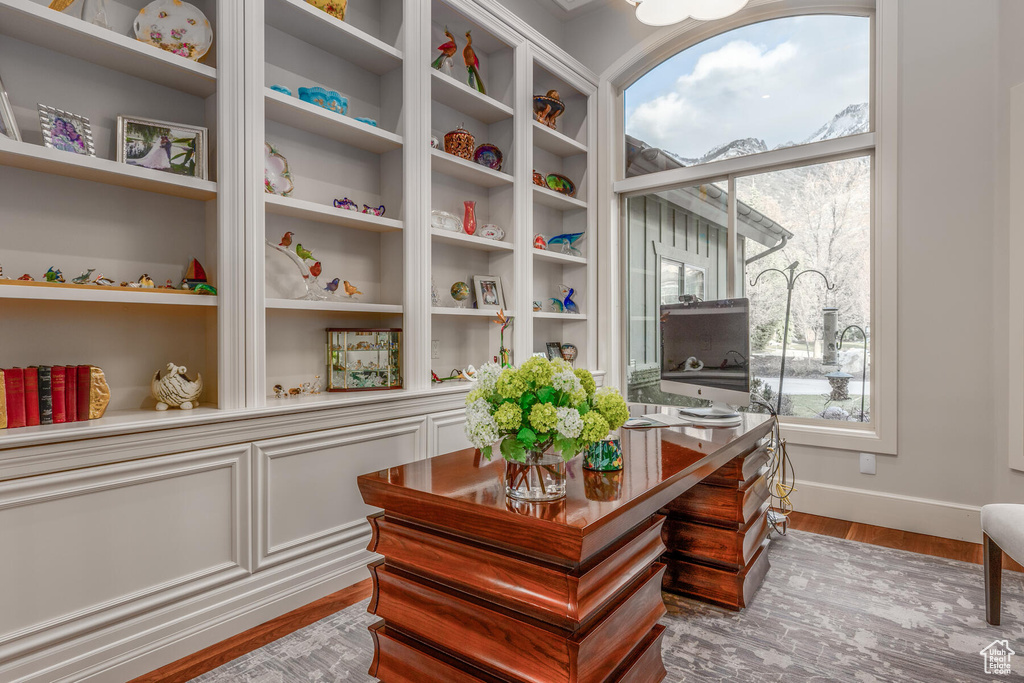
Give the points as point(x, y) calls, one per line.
point(567, 240)
point(567, 304)
point(333, 285)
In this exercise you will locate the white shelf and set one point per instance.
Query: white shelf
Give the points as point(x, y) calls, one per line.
point(557, 143)
point(472, 103)
point(56, 162)
point(556, 200)
point(57, 292)
point(467, 171)
point(332, 306)
point(37, 24)
point(465, 312)
point(470, 241)
point(321, 213)
point(545, 255)
point(316, 27)
point(293, 112)
point(559, 316)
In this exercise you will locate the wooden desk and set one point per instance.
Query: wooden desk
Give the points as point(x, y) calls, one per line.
point(475, 587)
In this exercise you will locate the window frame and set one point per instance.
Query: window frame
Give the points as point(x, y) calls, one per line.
point(879, 436)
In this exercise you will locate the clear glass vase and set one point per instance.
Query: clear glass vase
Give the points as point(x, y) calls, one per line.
point(541, 478)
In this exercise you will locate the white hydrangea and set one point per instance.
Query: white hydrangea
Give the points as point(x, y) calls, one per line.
point(570, 424)
point(566, 381)
point(481, 427)
point(487, 377)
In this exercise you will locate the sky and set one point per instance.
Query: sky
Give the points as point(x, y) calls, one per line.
point(779, 81)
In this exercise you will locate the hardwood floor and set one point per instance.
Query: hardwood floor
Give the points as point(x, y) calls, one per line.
point(214, 656)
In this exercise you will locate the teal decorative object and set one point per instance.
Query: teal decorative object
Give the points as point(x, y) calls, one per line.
point(604, 456)
point(328, 99)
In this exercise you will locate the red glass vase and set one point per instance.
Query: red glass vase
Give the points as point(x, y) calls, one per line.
point(469, 221)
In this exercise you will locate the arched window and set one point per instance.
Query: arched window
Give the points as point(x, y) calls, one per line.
point(753, 152)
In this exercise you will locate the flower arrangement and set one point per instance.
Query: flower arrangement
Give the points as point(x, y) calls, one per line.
point(543, 404)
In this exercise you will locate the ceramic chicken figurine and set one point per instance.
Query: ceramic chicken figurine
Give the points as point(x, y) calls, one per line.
point(447, 50)
point(286, 241)
point(473, 65)
point(333, 285)
point(146, 282)
point(351, 289)
point(304, 254)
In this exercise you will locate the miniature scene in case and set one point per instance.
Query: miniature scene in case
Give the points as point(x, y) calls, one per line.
point(363, 360)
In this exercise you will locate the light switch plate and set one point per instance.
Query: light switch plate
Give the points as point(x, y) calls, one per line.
point(435, 349)
point(867, 463)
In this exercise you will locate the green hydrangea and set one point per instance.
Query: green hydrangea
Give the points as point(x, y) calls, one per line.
point(509, 417)
point(577, 397)
point(510, 384)
point(475, 395)
point(543, 417)
point(537, 372)
point(595, 427)
point(610, 404)
point(587, 380)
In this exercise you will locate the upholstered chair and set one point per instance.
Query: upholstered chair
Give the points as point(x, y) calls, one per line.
point(1003, 528)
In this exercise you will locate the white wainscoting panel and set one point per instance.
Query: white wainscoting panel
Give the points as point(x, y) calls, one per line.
point(305, 488)
point(447, 432)
point(87, 548)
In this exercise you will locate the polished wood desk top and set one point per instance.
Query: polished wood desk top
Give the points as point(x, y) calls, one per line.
point(462, 492)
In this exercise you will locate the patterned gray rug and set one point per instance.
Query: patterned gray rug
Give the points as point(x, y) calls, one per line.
point(830, 610)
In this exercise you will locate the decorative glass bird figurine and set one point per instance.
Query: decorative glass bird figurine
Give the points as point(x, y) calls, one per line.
point(567, 240)
point(304, 254)
point(473, 65)
point(333, 285)
point(316, 269)
point(351, 289)
point(568, 305)
point(448, 50)
point(286, 241)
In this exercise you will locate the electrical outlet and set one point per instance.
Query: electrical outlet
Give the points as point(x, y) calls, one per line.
point(435, 349)
point(867, 463)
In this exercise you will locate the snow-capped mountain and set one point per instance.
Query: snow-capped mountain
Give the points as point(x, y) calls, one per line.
point(850, 121)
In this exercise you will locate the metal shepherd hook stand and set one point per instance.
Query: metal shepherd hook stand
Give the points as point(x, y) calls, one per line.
point(864, 371)
point(791, 277)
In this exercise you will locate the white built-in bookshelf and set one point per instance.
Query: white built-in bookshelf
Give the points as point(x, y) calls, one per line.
point(75, 212)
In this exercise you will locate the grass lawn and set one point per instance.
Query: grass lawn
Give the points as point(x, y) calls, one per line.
point(809, 405)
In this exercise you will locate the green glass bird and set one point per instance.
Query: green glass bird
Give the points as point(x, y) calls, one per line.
point(304, 254)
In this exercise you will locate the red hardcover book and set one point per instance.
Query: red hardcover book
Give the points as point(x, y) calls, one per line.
point(57, 384)
point(84, 386)
point(14, 388)
point(71, 394)
point(31, 397)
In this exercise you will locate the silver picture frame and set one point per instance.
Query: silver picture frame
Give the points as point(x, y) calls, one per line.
point(488, 292)
point(8, 125)
point(134, 150)
point(66, 131)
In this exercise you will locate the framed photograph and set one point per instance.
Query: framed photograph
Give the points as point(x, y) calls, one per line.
point(488, 292)
point(8, 126)
point(554, 350)
point(163, 146)
point(66, 131)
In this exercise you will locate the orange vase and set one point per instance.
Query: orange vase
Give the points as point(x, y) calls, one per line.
point(469, 221)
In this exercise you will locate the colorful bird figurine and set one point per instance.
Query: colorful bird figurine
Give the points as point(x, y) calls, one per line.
point(556, 305)
point(567, 303)
point(473, 65)
point(447, 50)
point(333, 285)
point(54, 275)
point(84, 278)
point(286, 241)
point(103, 281)
point(351, 289)
point(567, 240)
point(316, 269)
point(146, 282)
point(304, 254)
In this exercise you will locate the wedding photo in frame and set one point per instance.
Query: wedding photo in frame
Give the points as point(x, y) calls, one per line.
point(488, 292)
point(175, 148)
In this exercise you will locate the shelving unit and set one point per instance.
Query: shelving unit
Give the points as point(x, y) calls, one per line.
point(467, 171)
point(58, 292)
point(470, 102)
point(556, 200)
point(298, 208)
point(293, 112)
point(470, 241)
point(557, 256)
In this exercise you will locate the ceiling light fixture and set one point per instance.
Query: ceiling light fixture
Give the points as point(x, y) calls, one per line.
point(668, 12)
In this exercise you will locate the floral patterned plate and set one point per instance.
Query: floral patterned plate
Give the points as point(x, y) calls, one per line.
point(175, 26)
point(276, 176)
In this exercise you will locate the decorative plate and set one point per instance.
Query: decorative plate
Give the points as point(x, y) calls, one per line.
point(175, 26)
point(488, 155)
point(336, 8)
point(368, 121)
point(561, 184)
point(538, 179)
point(281, 89)
point(491, 232)
point(277, 177)
point(442, 220)
point(322, 97)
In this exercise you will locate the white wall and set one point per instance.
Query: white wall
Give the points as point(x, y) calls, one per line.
point(539, 14)
point(957, 63)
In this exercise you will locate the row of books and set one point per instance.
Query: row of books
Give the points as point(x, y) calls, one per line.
point(45, 394)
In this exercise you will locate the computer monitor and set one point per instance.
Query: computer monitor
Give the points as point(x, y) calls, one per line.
point(705, 350)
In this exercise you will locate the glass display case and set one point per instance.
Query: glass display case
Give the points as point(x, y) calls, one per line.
point(363, 360)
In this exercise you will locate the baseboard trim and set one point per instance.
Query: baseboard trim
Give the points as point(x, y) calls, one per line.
point(893, 511)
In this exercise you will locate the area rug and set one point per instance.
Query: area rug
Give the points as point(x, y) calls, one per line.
point(829, 610)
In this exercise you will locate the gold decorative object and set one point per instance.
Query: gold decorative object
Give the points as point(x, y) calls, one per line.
point(3, 403)
point(99, 393)
point(336, 8)
point(460, 142)
point(60, 6)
